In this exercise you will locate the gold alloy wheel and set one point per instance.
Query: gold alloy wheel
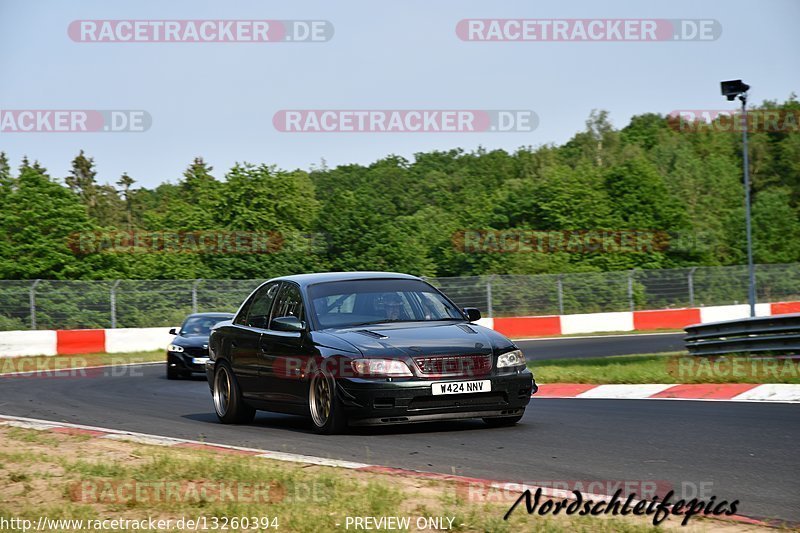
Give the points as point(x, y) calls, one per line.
point(222, 390)
point(320, 399)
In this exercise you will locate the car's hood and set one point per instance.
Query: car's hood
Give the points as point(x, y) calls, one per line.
point(421, 338)
point(191, 341)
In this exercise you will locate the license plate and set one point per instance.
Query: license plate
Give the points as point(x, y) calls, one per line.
point(199, 360)
point(461, 387)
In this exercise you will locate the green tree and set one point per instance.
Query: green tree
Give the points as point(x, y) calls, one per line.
point(38, 232)
point(776, 227)
point(126, 182)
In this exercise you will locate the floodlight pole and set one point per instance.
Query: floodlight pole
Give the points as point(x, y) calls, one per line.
point(751, 291)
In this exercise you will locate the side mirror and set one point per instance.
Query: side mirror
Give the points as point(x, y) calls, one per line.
point(173, 331)
point(472, 313)
point(287, 323)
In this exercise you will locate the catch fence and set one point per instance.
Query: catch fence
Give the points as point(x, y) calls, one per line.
point(49, 304)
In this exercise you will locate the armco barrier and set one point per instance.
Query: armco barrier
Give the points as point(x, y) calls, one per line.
point(74, 341)
point(82, 341)
point(778, 333)
point(137, 339)
point(49, 342)
point(631, 321)
point(665, 319)
point(785, 308)
point(20, 343)
point(528, 325)
point(594, 322)
point(720, 313)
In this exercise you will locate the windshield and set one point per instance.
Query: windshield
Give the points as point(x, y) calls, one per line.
point(378, 301)
point(201, 325)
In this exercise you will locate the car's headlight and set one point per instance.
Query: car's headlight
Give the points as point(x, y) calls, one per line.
point(389, 368)
point(509, 359)
point(174, 348)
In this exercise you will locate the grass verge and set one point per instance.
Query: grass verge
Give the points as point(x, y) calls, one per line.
point(63, 476)
point(675, 367)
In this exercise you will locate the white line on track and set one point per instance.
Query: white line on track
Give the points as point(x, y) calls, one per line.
point(145, 438)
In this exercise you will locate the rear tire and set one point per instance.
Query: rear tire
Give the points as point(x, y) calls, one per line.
point(327, 412)
point(501, 422)
point(227, 395)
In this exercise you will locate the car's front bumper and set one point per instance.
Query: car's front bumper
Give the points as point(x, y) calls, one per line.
point(373, 402)
point(186, 362)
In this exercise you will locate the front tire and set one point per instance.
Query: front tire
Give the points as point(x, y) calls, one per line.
point(327, 412)
point(172, 373)
point(228, 402)
point(503, 421)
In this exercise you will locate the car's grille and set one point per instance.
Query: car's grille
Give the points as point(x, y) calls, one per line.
point(196, 352)
point(481, 399)
point(454, 365)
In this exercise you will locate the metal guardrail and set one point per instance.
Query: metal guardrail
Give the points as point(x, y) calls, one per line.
point(780, 333)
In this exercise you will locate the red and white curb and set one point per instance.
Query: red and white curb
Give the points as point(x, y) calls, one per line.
point(730, 392)
point(157, 440)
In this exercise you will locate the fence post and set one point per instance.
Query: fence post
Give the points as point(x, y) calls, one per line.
point(489, 311)
point(560, 290)
point(194, 294)
point(114, 303)
point(630, 291)
point(32, 302)
point(691, 286)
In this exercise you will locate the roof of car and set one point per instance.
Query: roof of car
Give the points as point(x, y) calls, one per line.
point(220, 313)
point(305, 280)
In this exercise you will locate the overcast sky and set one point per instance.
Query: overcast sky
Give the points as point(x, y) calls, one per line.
point(218, 100)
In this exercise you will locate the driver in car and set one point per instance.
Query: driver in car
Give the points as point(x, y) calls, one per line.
point(393, 307)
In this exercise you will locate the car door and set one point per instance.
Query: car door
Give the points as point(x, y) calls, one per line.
point(283, 354)
point(245, 340)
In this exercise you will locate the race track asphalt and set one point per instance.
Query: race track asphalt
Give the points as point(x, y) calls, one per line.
point(600, 346)
point(746, 451)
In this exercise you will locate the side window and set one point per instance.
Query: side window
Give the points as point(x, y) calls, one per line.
point(289, 303)
point(435, 308)
point(241, 318)
point(256, 312)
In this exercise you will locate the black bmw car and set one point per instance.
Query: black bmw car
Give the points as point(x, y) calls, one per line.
point(188, 351)
point(363, 348)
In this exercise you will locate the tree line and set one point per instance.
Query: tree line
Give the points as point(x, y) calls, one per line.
point(408, 215)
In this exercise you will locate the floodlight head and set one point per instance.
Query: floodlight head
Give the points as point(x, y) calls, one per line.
point(733, 88)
